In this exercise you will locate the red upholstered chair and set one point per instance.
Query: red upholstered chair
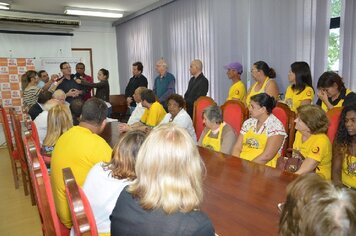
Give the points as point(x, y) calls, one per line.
point(334, 119)
point(35, 136)
point(234, 113)
point(81, 212)
point(287, 117)
point(51, 224)
point(199, 105)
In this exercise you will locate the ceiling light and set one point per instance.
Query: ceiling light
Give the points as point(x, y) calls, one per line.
point(93, 12)
point(4, 6)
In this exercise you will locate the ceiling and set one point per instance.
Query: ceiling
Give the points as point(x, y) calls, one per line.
point(57, 6)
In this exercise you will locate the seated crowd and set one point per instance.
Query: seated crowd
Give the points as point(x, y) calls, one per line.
point(140, 181)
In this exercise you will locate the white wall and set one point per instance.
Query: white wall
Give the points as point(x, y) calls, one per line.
point(101, 38)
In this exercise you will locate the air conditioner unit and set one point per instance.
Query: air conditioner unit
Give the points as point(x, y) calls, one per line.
point(37, 21)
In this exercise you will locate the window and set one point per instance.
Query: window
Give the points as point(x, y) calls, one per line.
point(334, 36)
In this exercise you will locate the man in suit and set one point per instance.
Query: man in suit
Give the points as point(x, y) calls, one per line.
point(36, 109)
point(198, 85)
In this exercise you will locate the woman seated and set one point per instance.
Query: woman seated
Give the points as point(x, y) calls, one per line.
point(217, 135)
point(59, 120)
point(301, 91)
point(178, 115)
point(332, 92)
point(311, 142)
point(316, 207)
point(344, 149)
point(262, 136)
point(165, 197)
point(105, 181)
point(263, 75)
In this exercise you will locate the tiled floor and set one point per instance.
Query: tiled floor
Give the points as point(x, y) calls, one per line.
point(17, 215)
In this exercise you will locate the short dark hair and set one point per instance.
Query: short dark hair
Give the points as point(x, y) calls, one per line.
point(105, 72)
point(80, 64)
point(265, 100)
point(44, 96)
point(62, 64)
point(94, 111)
point(40, 73)
point(327, 80)
point(268, 71)
point(178, 99)
point(76, 107)
point(148, 95)
point(139, 65)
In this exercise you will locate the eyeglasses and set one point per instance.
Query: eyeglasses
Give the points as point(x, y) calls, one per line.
point(252, 70)
point(68, 67)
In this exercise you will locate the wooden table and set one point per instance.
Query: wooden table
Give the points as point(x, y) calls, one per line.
point(241, 197)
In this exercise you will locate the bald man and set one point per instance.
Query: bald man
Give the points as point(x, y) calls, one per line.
point(198, 85)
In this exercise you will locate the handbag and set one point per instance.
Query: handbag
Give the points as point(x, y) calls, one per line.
point(291, 162)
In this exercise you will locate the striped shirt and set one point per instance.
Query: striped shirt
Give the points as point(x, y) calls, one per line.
point(30, 95)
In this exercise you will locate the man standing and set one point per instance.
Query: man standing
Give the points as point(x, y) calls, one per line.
point(80, 148)
point(164, 84)
point(137, 80)
point(44, 83)
point(198, 85)
point(68, 84)
point(80, 69)
point(237, 90)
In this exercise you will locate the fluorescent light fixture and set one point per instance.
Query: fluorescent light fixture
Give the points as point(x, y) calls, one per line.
point(4, 6)
point(93, 12)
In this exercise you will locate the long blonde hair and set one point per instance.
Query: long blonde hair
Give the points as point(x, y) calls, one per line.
point(169, 171)
point(59, 120)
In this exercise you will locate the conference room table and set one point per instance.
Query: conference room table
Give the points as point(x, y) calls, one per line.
point(240, 197)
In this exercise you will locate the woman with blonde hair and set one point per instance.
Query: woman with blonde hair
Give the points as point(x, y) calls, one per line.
point(168, 191)
point(59, 120)
point(109, 179)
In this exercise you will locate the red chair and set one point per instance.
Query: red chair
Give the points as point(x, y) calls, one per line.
point(51, 224)
point(334, 119)
point(287, 117)
point(199, 105)
point(81, 212)
point(35, 136)
point(234, 113)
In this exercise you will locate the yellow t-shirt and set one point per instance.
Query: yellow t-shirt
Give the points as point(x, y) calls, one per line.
point(213, 143)
point(154, 115)
point(253, 92)
point(237, 91)
point(79, 149)
point(339, 104)
point(317, 147)
point(348, 172)
point(293, 99)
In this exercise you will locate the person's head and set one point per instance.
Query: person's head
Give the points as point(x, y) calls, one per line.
point(175, 103)
point(196, 67)
point(161, 67)
point(94, 113)
point(315, 206)
point(137, 68)
point(122, 164)
point(331, 83)
point(50, 103)
point(234, 70)
point(212, 116)
point(80, 68)
point(103, 74)
point(43, 75)
point(347, 125)
point(168, 178)
point(76, 107)
point(43, 97)
point(260, 70)
point(300, 75)
point(29, 78)
point(59, 120)
point(65, 68)
point(137, 94)
point(148, 97)
point(59, 95)
point(311, 118)
point(261, 104)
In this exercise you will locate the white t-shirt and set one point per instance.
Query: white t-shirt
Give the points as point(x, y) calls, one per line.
point(41, 125)
point(136, 114)
point(183, 120)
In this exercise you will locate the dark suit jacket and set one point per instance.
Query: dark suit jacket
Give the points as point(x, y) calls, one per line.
point(35, 110)
point(197, 87)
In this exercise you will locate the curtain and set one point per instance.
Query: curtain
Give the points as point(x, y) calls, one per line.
point(221, 31)
point(348, 44)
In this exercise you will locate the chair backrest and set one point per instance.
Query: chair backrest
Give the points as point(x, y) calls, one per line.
point(118, 103)
point(234, 113)
point(51, 224)
point(287, 117)
point(199, 105)
point(334, 119)
point(35, 135)
point(7, 130)
point(81, 212)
